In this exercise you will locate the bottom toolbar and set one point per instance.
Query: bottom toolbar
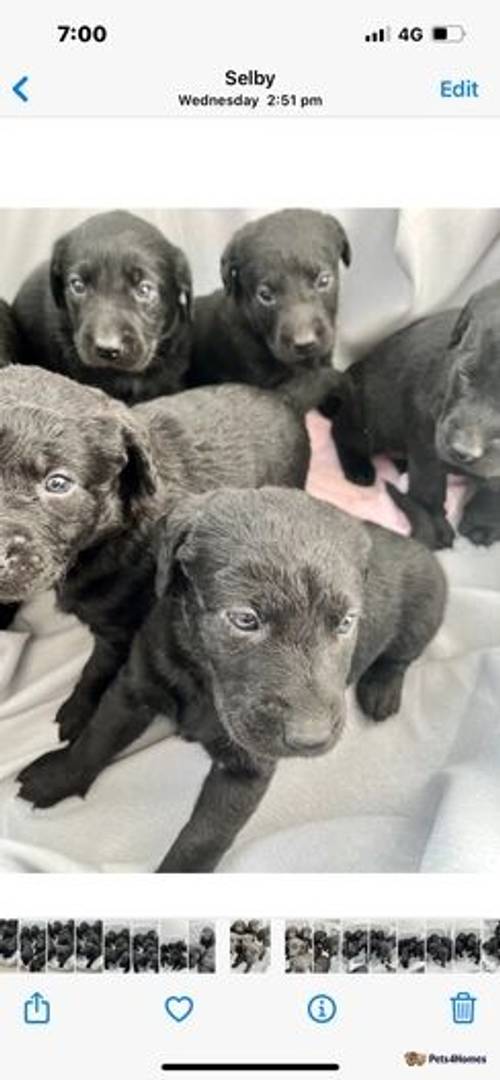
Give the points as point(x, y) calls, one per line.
point(183, 1025)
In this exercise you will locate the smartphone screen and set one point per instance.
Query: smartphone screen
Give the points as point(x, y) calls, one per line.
point(249, 541)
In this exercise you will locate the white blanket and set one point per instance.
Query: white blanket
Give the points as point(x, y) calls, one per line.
point(419, 792)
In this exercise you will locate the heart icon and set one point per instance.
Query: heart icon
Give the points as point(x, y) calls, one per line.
point(179, 1008)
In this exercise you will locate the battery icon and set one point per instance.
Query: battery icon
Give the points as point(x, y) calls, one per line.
point(453, 34)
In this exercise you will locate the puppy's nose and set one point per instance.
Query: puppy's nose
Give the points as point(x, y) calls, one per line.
point(302, 737)
point(466, 451)
point(108, 346)
point(305, 343)
point(107, 354)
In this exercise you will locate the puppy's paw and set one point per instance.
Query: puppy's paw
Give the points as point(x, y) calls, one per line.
point(434, 533)
point(379, 691)
point(72, 718)
point(444, 535)
point(51, 778)
point(430, 529)
point(481, 533)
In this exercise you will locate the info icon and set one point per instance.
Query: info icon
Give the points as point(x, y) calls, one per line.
point(321, 1008)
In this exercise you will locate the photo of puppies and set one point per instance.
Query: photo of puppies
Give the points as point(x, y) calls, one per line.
point(33, 946)
point(9, 945)
point(354, 955)
point(61, 946)
point(202, 948)
point(467, 947)
point(258, 453)
point(439, 947)
point(250, 946)
point(327, 950)
point(90, 945)
point(299, 947)
point(117, 948)
point(145, 948)
point(411, 948)
point(491, 946)
point(382, 948)
point(174, 937)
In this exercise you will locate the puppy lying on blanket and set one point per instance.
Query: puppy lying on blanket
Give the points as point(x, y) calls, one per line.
point(274, 323)
point(269, 604)
point(83, 478)
point(112, 308)
point(431, 394)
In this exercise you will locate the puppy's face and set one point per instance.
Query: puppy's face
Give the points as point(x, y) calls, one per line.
point(283, 273)
point(72, 470)
point(123, 288)
point(468, 429)
point(271, 594)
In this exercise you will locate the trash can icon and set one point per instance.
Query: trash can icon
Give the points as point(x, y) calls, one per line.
point(463, 1007)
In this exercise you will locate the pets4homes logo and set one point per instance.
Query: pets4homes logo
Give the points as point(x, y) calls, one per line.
point(413, 1057)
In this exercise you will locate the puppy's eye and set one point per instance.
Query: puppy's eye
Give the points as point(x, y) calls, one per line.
point(324, 281)
point(346, 624)
point(58, 484)
point(245, 619)
point(76, 285)
point(146, 290)
point(265, 296)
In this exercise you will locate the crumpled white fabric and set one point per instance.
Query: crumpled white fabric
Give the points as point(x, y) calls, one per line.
point(417, 793)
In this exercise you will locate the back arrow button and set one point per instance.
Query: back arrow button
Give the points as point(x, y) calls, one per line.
point(18, 88)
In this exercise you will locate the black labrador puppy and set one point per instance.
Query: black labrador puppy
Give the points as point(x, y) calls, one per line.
point(112, 308)
point(270, 603)
point(273, 324)
point(83, 479)
point(431, 394)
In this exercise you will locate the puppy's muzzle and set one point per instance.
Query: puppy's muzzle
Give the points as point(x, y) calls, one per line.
point(305, 342)
point(308, 741)
point(464, 451)
point(119, 345)
point(20, 564)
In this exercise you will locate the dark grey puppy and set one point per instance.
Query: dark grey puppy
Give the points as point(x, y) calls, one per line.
point(112, 308)
point(274, 323)
point(431, 394)
point(83, 478)
point(269, 604)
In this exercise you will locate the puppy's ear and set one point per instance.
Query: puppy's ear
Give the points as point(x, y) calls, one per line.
point(138, 479)
point(184, 285)
point(340, 241)
point(56, 271)
point(171, 539)
point(465, 331)
point(122, 451)
point(230, 267)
